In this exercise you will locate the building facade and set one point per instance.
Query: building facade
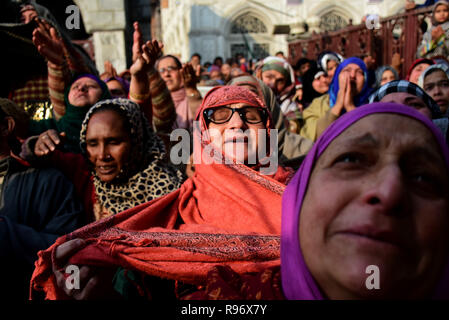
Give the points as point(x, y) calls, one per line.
point(256, 28)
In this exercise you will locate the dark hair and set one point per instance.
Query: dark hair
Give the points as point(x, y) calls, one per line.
point(301, 62)
point(177, 62)
point(196, 55)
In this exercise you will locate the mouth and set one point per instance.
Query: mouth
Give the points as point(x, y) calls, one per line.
point(105, 170)
point(372, 234)
point(442, 102)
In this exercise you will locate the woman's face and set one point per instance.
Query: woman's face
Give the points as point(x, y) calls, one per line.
point(436, 85)
point(387, 76)
point(275, 80)
point(321, 84)
point(238, 139)
point(84, 92)
point(331, 67)
point(410, 100)
point(385, 188)
point(108, 144)
point(416, 72)
point(441, 13)
point(116, 89)
point(356, 76)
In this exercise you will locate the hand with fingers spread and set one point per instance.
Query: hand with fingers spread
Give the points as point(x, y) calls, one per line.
point(94, 282)
point(144, 55)
point(48, 42)
point(47, 142)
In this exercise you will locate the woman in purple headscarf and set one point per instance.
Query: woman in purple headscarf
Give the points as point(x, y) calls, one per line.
point(365, 217)
point(348, 90)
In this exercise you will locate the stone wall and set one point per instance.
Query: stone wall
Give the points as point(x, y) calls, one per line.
point(106, 20)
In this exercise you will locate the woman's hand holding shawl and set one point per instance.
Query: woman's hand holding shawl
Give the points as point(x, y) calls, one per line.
point(94, 283)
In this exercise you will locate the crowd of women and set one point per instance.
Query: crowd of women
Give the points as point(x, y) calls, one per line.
point(362, 178)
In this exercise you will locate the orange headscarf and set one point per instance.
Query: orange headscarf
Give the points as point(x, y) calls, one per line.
point(224, 214)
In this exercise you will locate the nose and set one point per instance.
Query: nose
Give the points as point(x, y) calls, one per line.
point(352, 74)
point(104, 153)
point(436, 91)
point(387, 192)
point(236, 122)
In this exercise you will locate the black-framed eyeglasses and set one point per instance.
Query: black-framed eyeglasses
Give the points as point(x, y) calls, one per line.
point(223, 114)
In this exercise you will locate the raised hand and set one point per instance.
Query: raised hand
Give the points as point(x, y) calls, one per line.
point(109, 70)
point(144, 55)
point(137, 42)
point(189, 76)
point(47, 142)
point(48, 42)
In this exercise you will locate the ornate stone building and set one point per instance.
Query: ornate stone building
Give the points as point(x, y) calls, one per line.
point(217, 27)
point(256, 28)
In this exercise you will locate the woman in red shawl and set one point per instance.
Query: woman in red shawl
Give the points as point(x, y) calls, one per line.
point(227, 214)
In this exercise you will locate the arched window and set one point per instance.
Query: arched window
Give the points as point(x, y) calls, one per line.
point(248, 24)
point(332, 21)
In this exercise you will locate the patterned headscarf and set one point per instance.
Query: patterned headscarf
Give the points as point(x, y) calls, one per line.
point(257, 84)
point(147, 174)
point(408, 87)
point(362, 97)
point(226, 95)
point(223, 96)
point(297, 281)
point(424, 74)
point(280, 65)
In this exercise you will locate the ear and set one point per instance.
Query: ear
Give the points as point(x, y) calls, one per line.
point(8, 126)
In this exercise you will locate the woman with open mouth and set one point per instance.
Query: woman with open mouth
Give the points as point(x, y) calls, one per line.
point(227, 213)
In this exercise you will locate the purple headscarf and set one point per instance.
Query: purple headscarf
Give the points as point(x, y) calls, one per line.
point(297, 281)
point(123, 82)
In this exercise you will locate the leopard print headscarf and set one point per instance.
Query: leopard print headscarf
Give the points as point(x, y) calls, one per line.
point(148, 174)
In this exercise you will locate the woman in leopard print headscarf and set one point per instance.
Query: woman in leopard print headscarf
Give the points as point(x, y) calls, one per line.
point(139, 172)
point(123, 163)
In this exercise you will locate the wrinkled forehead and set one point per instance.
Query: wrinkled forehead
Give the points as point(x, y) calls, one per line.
point(384, 131)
